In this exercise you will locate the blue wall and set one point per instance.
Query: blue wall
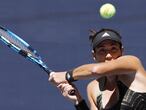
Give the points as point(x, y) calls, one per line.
point(59, 30)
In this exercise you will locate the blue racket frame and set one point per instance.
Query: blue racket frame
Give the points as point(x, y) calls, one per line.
point(22, 47)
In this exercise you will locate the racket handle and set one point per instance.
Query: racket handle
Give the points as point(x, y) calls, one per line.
point(48, 71)
point(72, 92)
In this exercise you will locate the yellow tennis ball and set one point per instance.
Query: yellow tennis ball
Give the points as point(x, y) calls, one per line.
point(107, 11)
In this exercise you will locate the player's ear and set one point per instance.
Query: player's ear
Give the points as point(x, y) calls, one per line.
point(93, 55)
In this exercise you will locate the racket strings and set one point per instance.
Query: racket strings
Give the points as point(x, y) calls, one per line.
point(13, 42)
point(23, 48)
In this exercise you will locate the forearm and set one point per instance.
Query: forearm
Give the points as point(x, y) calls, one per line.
point(84, 72)
point(122, 65)
point(96, 70)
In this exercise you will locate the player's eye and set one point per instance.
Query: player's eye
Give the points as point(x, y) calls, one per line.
point(114, 49)
point(102, 51)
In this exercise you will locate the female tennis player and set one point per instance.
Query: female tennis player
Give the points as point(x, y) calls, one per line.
point(119, 79)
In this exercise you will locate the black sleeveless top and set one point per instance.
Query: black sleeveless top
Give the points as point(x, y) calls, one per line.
point(128, 99)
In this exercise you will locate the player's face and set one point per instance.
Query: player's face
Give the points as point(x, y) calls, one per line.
point(107, 50)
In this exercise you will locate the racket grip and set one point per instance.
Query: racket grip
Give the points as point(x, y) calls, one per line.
point(48, 71)
point(72, 92)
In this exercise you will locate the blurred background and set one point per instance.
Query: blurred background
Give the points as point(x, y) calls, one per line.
point(59, 30)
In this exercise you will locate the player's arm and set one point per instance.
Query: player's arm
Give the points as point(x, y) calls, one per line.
point(122, 65)
point(91, 99)
point(77, 100)
point(65, 88)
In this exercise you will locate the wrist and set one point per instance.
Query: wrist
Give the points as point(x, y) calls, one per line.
point(69, 76)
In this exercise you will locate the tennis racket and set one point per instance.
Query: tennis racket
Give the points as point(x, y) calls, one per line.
point(24, 49)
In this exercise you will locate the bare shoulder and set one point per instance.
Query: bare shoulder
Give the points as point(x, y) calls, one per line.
point(93, 84)
point(93, 87)
point(93, 91)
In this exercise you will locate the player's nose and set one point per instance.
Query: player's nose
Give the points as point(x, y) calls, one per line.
point(108, 57)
